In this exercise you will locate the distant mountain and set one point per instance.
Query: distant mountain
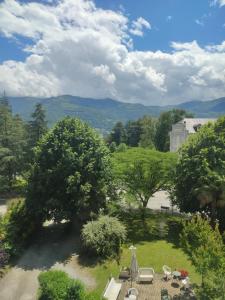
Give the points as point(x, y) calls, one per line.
point(103, 114)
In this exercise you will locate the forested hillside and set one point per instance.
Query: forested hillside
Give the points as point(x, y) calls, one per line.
point(103, 114)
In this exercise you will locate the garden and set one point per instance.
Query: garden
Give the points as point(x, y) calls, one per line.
point(98, 196)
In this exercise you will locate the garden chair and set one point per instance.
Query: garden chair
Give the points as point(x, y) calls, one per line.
point(132, 294)
point(186, 283)
point(167, 272)
point(145, 274)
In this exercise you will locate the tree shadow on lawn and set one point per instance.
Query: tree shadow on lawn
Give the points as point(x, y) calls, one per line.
point(155, 226)
point(54, 244)
point(152, 227)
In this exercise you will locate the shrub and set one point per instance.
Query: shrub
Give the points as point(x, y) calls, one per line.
point(17, 226)
point(122, 147)
point(57, 285)
point(104, 236)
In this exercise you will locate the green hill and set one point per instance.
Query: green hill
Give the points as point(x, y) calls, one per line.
point(103, 114)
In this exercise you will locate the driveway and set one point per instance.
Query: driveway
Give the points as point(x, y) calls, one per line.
point(55, 250)
point(3, 207)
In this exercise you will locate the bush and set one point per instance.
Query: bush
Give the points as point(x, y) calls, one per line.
point(122, 147)
point(104, 236)
point(57, 285)
point(16, 228)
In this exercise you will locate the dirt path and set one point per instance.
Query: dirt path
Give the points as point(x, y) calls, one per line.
point(53, 251)
point(3, 206)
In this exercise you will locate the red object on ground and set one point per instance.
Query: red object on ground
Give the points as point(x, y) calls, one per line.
point(183, 273)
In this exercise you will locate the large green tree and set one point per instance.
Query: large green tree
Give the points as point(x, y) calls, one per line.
point(205, 247)
point(118, 134)
point(200, 173)
point(71, 173)
point(148, 130)
point(133, 129)
point(37, 126)
point(12, 145)
point(142, 172)
point(164, 126)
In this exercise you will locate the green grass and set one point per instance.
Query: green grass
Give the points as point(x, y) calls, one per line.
point(152, 251)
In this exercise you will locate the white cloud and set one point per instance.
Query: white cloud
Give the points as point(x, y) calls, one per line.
point(199, 22)
point(138, 26)
point(218, 2)
point(83, 50)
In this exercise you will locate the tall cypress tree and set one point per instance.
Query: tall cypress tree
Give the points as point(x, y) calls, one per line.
point(37, 126)
point(12, 144)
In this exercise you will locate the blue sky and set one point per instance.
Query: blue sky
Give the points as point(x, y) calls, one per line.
point(148, 51)
point(182, 27)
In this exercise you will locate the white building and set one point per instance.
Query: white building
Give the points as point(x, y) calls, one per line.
point(181, 130)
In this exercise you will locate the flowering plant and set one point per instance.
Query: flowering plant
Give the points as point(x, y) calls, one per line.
point(183, 273)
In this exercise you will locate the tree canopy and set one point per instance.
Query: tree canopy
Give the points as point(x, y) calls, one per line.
point(200, 172)
point(12, 145)
point(134, 133)
point(71, 172)
point(205, 247)
point(142, 172)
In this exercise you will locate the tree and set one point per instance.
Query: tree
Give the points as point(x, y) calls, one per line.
point(118, 134)
point(133, 129)
point(5, 101)
point(164, 126)
point(148, 128)
point(200, 172)
point(205, 247)
point(142, 180)
point(71, 173)
point(38, 126)
point(141, 172)
point(12, 145)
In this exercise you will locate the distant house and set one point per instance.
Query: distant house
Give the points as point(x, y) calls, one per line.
point(181, 130)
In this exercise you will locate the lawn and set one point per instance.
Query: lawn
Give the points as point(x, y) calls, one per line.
point(154, 249)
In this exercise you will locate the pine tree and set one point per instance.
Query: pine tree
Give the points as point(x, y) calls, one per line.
point(12, 144)
point(38, 125)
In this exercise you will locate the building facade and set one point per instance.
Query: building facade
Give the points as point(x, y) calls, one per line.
point(181, 130)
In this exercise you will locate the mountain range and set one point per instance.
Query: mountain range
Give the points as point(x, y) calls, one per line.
point(102, 114)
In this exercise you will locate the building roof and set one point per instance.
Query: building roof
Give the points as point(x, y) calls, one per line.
point(192, 124)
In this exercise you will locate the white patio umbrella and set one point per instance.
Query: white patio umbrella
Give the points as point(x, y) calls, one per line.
point(133, 264)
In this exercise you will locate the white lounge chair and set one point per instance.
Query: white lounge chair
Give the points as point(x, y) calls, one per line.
point(167, 272)
point(145, 275)
point(112, 290)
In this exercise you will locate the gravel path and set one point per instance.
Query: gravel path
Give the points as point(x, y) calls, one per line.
point(57, 252)
point(3, 206)
point(159, 199)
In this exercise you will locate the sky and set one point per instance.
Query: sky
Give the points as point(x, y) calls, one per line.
point(155, 52)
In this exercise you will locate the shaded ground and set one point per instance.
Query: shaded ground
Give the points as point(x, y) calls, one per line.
point(55, 249)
